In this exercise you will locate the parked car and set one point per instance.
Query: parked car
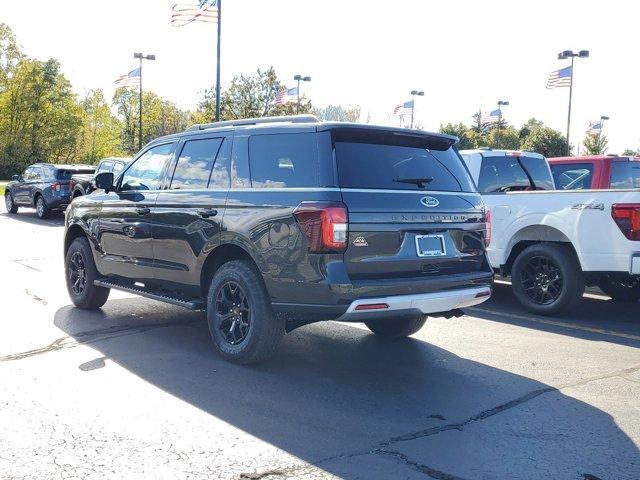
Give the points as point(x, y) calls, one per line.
point(596, 172)
point(554, 242)
point(82, 183)
point(270, 224)
point(43, 186)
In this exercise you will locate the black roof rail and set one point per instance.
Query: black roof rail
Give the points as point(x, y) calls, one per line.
point(255, 121)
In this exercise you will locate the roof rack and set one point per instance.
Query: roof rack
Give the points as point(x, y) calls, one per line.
point(255, 121)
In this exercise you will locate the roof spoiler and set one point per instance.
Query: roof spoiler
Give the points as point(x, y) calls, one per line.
point(255, 121)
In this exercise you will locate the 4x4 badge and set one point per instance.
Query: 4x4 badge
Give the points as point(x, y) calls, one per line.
point(429, 201)
point(360, 242)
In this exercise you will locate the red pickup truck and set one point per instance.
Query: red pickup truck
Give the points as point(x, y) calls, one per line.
point(595, 172)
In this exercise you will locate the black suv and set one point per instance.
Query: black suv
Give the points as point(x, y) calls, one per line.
point(43, 186)
point(273, 223)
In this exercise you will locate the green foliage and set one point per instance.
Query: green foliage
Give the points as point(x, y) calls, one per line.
point(503, 138)
point(101, 131)
point(10, 53)
point(464, 134)
point(629, 152)
point(338, 113)
point(595, 144)
point(544, 140)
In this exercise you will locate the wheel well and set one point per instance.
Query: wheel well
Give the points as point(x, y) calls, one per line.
point(218, 257)
point(35, 198)
point(74, 231)
point(522, 244)
point(77, 193)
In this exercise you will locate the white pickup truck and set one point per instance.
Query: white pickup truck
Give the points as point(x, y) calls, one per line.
point(554, 242)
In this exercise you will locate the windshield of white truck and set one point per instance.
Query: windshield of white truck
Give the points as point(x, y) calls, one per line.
point(511, 173)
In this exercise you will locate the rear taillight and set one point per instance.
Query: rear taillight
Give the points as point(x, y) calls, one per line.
point(324, 224)
point(55, 186)
point(487, 228)
point(627, 217)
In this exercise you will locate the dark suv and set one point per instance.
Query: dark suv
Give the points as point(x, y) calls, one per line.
point(270, 224)
point(43, 186)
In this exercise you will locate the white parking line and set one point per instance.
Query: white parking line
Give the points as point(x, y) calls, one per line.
point(588, 295)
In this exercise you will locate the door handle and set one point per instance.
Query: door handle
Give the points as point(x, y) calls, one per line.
point(207, 212)
point(142, 210)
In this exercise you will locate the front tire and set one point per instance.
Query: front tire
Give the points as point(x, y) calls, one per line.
point(547, 279)
point(42, 211)
point(621, 290)
point(396, 327)
point(80, 272)
point(10, 203)
point(241, 322)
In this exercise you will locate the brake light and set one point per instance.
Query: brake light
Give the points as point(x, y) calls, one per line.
point(513, 154)
point(487, 228)
point(324, 224)
point(627, 217)
point(55, 186)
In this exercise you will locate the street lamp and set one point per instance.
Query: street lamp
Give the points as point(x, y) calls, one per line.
point(501, 103)
point(562, 56)
point(300, 78)
point(141, 57)
point(603, 118)
point(414, 93)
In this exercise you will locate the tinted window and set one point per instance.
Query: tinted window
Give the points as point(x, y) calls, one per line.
point(117, 167)
point(501, 174)
point(66, 174)
point(145, 173)
point(104, 167)
point(194, 164)
point(386, 161)
point(288, 160)
point(240, 163)
point(625, 175)
point(220, 174)
point(573, 176)
point(30, 174)
point(539, 171)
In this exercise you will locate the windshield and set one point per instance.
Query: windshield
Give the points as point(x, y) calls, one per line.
point(399, 162)
point(502, 173)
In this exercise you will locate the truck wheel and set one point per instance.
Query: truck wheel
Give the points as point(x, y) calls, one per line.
point(80, 273)
point(42, 211)
point(619, 289)
point(9, 203)
point(241, 321)
point(396, 327)
point(547, 279)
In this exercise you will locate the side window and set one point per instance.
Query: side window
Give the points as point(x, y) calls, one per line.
point(146, 172)
point(625, 175)
point(27, 176)
point(104, 167)
point(240, 163)
point(573, 176)
point(220, 175)
point(195, 164)
point(36, 174)
point(117, 168)
point(287, 160)
point(501, 174)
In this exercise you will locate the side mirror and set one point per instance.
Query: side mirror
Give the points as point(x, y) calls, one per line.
point(16, 178)
point(104, 181)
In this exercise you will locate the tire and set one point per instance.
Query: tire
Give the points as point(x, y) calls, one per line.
point(397, 327)
point(253, 334)
point(77, 193)
point(620, 290)
point(10, 203)
point(79, 261)
point(547, 279)
point(42, 211)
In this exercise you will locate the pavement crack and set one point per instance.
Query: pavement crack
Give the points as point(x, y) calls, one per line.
point(35, 297)
point(420, 467)
point(91, 337)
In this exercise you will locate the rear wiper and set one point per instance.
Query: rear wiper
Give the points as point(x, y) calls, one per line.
point(420, 182)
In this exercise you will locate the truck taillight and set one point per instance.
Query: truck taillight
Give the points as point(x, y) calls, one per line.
point(325, 224)
point(487, 228)
point(55, 186)
point(627, 217)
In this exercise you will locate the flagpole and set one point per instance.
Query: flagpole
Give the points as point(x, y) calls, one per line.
point(569, 114)
point(218, 62)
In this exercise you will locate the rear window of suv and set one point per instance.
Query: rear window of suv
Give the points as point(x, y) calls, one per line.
point(389, 161)
point(67, 174)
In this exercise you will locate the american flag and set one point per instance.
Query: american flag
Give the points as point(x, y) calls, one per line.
point(131, 79)
point(560, 78)
point(403, 108)
point(286, 95)
point(594, 128)
point(194, 11)
point(491, 117)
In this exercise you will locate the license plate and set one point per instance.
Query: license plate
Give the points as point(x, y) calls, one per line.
point(430, 245)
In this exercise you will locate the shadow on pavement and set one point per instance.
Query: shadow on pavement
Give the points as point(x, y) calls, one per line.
point(55, 219)
point(335, 389)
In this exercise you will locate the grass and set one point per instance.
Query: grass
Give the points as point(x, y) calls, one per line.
point(2, 188)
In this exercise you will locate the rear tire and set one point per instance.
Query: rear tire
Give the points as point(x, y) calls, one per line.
point(241, 321)
point(620, 290)
point(10, 203)
point(396, 327)
point(42, 211)
point(80, 272)
point(547, 279)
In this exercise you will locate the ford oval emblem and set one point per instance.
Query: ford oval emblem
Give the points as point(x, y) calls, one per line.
point(429, 201)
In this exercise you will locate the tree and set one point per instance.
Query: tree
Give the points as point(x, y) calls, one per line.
point(629, 152)
point(250, 96)
point(503, 138)
point(525, 130)
point(338, 113)
point(10, 54)
point(101, 131)
point(464, 134)
point(595, 144)
point(544, 140)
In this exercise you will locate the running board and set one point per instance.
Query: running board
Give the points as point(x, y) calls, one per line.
point(190, 304)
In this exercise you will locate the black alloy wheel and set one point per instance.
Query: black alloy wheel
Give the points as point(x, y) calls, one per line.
point(542, 280)
point(234, 313)
point(77, 273)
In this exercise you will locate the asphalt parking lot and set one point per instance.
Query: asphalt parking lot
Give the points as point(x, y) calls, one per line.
point(136, 390)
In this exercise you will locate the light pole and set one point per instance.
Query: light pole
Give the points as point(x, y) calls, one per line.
point(300, 78)
point(141, 56)
point(501, 103)
point(414, 93)
point(603, 118)
point(561, 56)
